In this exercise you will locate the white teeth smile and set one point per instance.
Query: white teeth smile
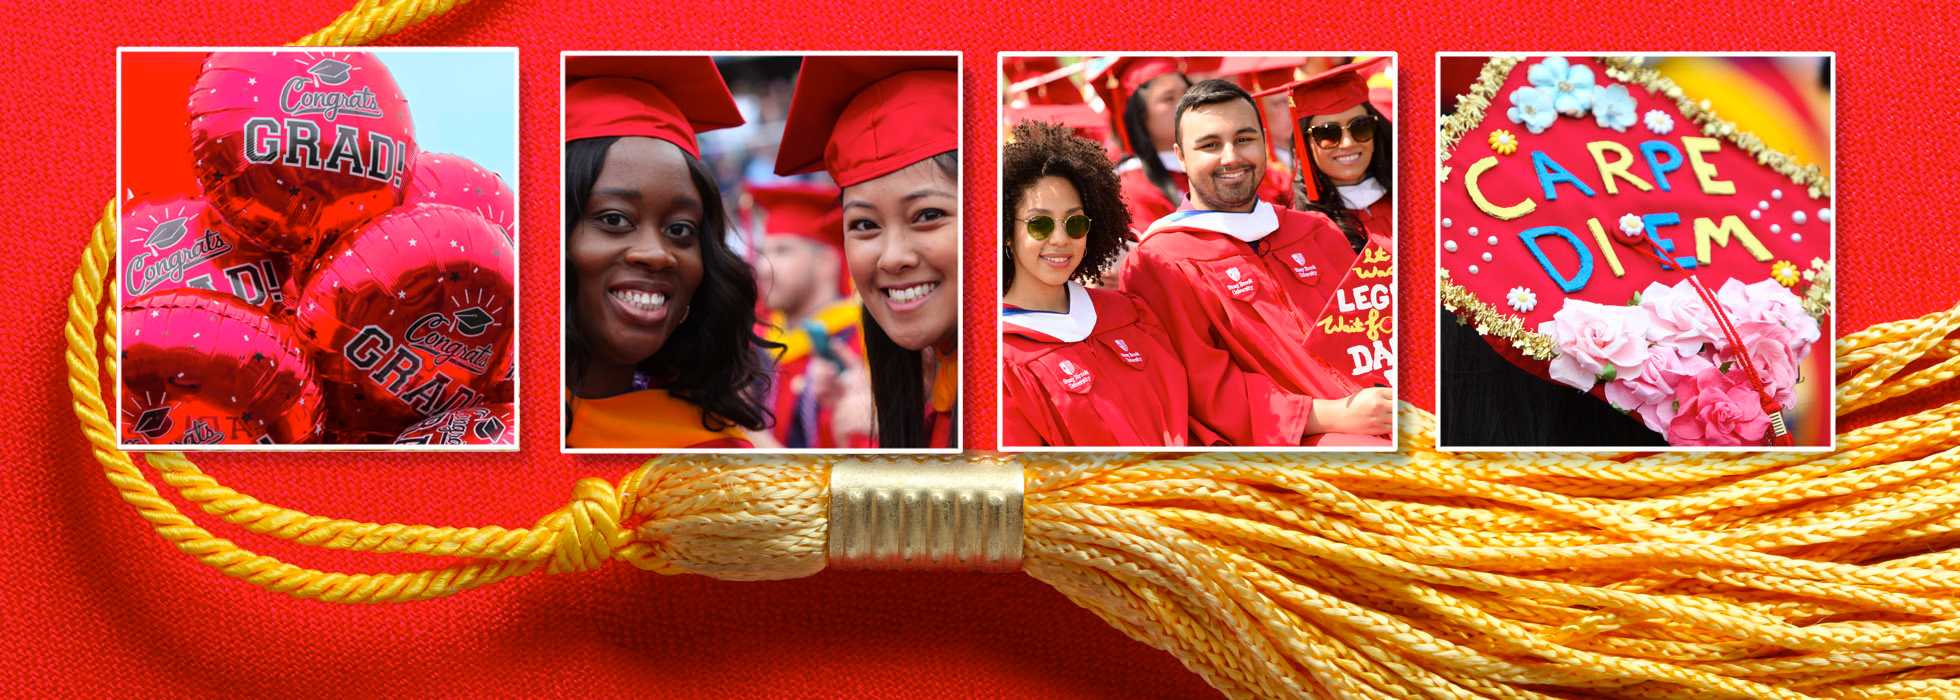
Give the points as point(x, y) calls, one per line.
point(1056, 259)
point(643, 300)
point(1346, 159)
point(912, 293)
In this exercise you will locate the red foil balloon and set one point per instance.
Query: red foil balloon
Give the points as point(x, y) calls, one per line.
point(204, 368)
point(180, 243)
point(409, 316)
point(297, 147)
point(493, 424)
point(451, 179)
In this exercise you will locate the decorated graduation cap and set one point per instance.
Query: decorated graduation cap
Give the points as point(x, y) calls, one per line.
point(1328, 92)
point(1115, 82)
point(799, 209)
point(1605, 230)
point(670, 98)
point(864, 117)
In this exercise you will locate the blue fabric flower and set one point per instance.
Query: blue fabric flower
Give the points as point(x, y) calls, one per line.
point(1532, 107)
point(1614, 109)
point(1571, 86)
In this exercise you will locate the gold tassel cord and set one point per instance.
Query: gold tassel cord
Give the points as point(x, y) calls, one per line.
point(1415, 575)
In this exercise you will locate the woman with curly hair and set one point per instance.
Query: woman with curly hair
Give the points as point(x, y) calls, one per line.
point(660, 345)
point(886, 129)
point(1079, 366)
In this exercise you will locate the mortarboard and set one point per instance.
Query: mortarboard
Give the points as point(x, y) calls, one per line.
point(863, 117)
point(670, 98)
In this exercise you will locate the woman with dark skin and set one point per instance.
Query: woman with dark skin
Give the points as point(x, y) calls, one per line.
point(1079, 366)
point(658, 308)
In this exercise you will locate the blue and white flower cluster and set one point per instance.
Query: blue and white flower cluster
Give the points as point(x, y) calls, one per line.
point(1559, 87)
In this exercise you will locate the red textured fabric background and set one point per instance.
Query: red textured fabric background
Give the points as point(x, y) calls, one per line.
point(96, 605)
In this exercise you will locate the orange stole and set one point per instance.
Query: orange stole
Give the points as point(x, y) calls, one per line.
point(647, 419)
point(945, 391)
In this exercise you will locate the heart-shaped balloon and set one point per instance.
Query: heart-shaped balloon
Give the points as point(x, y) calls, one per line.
point(410, 316)
point(297, 147)
point(181, 243)
point(493, 424)
point(443, 178)
point(203, 368)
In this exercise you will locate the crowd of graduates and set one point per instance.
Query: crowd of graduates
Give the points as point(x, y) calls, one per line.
point(1174, 231)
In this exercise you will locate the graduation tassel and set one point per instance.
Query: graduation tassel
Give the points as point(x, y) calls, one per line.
point(1415, 575)
point(1412, 575)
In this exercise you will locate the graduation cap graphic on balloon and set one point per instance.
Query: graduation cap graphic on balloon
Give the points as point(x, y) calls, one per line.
point(473, 321)
point(1605, 230)
point(328, 71)
point(168, 233)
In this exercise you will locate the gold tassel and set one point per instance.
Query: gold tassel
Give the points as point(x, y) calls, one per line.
point(1415, 575)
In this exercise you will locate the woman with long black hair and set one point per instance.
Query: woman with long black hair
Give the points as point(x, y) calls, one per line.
point(660, 345)
point(1344, 152)
point(886, 128)
point(1140, 94)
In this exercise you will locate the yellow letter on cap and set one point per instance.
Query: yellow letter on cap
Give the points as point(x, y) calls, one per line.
point(1477, 195)
point(1705, 173)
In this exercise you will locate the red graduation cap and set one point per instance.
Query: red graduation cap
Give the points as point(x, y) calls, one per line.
point(1327, 92)
point(670, 98)
point(864, 117)
point(1115, 82)
point(1641, 250)
point(799, 209)
point(1258, 73)
point(1041, 80)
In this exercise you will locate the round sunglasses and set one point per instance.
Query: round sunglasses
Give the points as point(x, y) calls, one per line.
point(1041, 227)
point(1328, 135)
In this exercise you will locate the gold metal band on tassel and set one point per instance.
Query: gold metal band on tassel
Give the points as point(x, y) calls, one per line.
point(899, 513)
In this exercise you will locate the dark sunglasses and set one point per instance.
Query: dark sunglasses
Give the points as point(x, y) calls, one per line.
point(1329, 135)
point(1041, 227)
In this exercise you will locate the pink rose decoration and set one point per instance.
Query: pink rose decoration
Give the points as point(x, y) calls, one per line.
point(1681, 319)
point(1753, 307)
point(1717, 409)
point(1650, 394)
point(1768, 346)
point(1593, 337)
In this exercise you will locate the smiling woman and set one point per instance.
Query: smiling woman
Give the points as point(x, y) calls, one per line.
point(661, 350)
point(886, 128)
point(1080, 367)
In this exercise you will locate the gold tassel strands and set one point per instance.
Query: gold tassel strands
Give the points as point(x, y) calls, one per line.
point(1416, 575)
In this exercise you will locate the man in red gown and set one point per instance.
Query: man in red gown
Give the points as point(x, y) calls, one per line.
point(811, 311)
point(1232, 277)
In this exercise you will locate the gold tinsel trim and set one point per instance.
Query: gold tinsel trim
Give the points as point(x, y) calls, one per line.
point(1492, 321)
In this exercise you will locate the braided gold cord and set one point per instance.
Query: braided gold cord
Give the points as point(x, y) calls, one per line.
point(1419, 575)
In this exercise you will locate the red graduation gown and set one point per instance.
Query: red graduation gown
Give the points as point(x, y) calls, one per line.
point(1236, 314)
point(1378, 220)
point(1122, 386)
point(1145, 202)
